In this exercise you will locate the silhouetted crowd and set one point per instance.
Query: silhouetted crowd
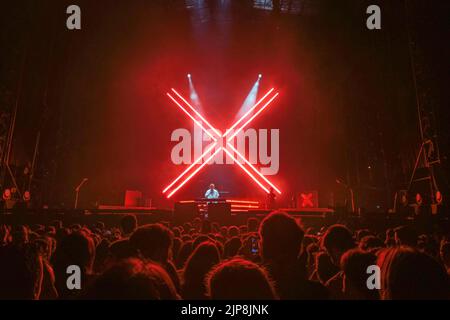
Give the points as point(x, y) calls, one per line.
point(275, 258)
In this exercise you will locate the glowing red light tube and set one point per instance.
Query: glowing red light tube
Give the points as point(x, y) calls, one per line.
point(190, 116)
point(190, 167)
point(247, 113)
point(253, 117)
point(198, 114)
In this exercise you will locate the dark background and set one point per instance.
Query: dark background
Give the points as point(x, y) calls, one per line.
point(347, 106)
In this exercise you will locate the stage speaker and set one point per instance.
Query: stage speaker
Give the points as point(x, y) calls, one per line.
point(219, 212)
point(184, 212)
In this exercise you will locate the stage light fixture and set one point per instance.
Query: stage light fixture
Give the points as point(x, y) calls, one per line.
point(189, 75)
point(419, 199)
point(259, 76)
point(250, 100)
point(439, 197)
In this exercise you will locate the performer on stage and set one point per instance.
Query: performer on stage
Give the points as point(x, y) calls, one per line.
point(212, 193)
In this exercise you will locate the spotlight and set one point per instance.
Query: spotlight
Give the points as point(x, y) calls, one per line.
point(7, 194)
point(189, 75)
point(259, 76)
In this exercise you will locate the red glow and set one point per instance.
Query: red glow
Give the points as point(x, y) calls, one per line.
point(246, 171)
point(307, 200)
point(242, 201)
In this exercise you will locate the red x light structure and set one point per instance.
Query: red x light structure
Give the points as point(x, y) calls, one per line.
point(307, 200)
point(227, 147)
